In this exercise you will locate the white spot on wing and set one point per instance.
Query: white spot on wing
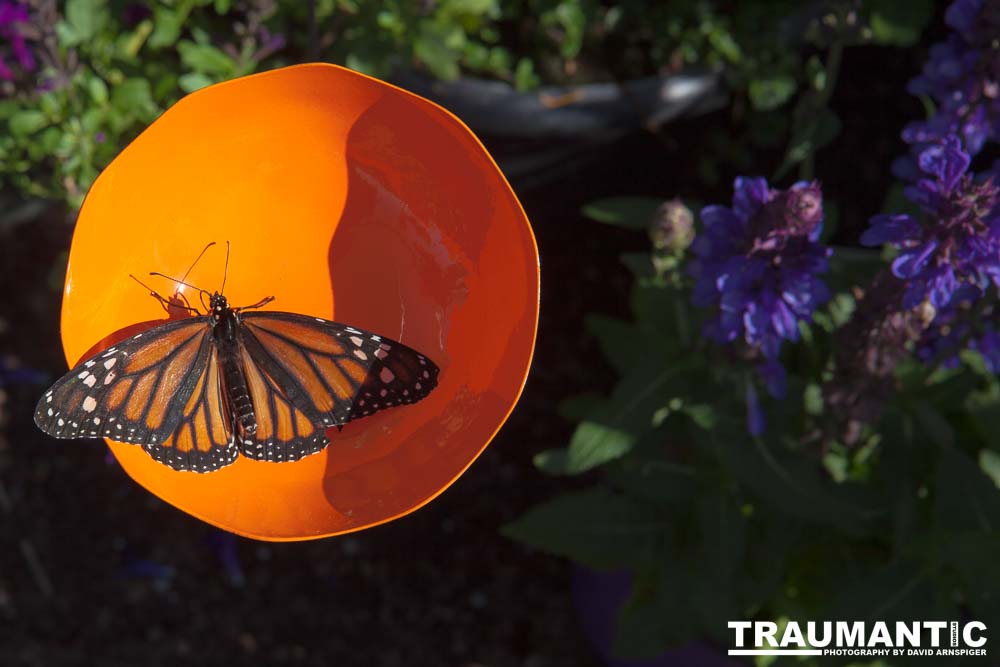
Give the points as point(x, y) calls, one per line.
point(386, 375)
point(90, 380)
point(89, 404)
point(109, 363)
point(360, 355)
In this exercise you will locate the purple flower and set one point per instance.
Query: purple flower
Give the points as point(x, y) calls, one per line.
point(962, 76)
point(960, 247)
point(271, 42)
point(988, 345)
point(940, 343)
point(757, 263)
point(955, 329)
point(13, 16)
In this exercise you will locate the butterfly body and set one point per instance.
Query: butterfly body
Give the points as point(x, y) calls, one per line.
point(225, 330)
point(198, 392)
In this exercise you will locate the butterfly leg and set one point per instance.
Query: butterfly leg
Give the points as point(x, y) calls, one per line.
point(262, 302)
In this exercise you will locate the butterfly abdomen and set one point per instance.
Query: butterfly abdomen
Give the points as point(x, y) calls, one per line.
point(236, 393)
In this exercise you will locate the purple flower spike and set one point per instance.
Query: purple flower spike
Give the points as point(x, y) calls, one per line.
point(960, 246)
point(757, 264)
point(946, 161)
point(14, 15)
point(961, 76)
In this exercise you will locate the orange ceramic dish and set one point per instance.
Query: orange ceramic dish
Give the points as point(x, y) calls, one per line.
point(348, 199)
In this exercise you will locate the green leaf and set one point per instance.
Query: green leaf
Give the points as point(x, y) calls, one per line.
point(620, 342)
point(989, 463)
point(525, 77)
point(167, 24)
point(702, 414)
point(630, 212)
point(648, 474)
point(98, 90)
point(134, 96)
point(130, 43)
point(720, 557)
point(26, 122)
point(933, 424)
point(193, 81)
point(976, 362)
point(571, 18)
point(814, 133)
point(551, 461)
point(793, 485)
point(769, 93)
point(656, 616)
point(664, 316)
point(596, 527)
point(595, 444)
point(966, 499)
point(812, 399)
point(629, 414)
point(206, 59)
point(431, 48)
point(899, 23)
point(901, 590)
point(86, 18)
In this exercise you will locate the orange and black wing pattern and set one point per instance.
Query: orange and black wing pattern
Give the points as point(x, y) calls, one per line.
point(306, 374)
point(202, 440)
point(146, 390)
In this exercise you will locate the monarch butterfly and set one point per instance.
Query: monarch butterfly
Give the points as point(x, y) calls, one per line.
point(197, 392)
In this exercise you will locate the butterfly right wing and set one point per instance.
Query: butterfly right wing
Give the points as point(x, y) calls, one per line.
point(146, 390)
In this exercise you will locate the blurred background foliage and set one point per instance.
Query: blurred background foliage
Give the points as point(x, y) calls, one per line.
point(90, 74)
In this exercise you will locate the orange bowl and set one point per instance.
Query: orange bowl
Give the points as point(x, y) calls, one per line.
point(345, 198)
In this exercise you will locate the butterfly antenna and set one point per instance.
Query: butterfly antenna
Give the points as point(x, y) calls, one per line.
point(196, 260)
point(225, 271)
point(180, 282)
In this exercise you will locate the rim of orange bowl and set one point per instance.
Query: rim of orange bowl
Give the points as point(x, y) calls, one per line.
point(534, 325)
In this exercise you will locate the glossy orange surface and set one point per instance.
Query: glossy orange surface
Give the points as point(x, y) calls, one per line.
point(345, 198)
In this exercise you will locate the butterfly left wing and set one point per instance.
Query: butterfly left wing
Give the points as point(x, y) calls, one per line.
point(306, 374)
point(130, 392)
point(159, 389)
